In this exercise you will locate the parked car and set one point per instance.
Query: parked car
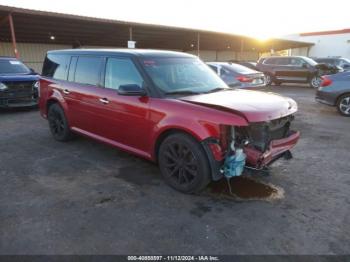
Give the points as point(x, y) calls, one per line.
point(335, 91)
point(235, 75)
point(339, 62)
point(292, 69)
point(18, 84)
point(167, 107)
point(251, 65)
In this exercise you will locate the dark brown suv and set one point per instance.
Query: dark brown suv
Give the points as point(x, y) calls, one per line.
point(292, 69)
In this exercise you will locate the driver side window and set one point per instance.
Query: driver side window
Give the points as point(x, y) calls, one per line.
point(121, 72)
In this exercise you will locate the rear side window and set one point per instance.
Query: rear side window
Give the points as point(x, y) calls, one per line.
point(322, 60)
point(121, 72)
point(240, 69)
point(284, 61)
point(71, 72)
point(88, 70)
point(270, 61)
point(56, 66)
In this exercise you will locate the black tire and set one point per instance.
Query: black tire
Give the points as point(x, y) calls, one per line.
point(58, 123)
point(343, 105)
point(315, 82)
point(183, 163)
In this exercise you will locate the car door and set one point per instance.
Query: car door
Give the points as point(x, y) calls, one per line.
point(229, 77)
point(83, 91)
point(126, 119)
point(70, 91)
point(300, 69)
point(282, 69)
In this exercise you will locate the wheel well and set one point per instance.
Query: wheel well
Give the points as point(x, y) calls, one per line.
point(341, 96)
point(50, 103)
point(164, 135)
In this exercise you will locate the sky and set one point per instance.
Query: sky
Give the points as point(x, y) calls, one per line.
point(261, 19)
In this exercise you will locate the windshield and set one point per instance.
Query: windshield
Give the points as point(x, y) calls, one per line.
point(186, 75)
point(310, 61)
point(13, 67)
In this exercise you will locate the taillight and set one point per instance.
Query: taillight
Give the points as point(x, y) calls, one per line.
point(326, 81)
point(244, 79)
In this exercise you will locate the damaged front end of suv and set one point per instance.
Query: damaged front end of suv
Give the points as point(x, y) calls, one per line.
point(255, 146)
point(266, 136)
point(267, 141)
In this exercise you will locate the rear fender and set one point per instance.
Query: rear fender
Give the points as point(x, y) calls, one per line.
point(56, 96)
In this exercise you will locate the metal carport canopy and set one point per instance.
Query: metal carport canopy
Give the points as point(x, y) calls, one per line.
point(31, 26)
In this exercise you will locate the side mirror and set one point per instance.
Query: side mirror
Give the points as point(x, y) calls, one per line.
point(304, 65)
point(131, 90)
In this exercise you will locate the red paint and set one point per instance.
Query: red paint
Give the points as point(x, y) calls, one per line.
point(276, 148)
point(244, 79)
point(135, 123)
point(326, 81)
point(13, 36)
point(331, 32)
point(254, 106)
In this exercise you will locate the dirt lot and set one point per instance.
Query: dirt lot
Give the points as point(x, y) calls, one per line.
point(83, 197)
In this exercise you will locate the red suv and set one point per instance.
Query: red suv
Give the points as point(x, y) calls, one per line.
point(167, 107)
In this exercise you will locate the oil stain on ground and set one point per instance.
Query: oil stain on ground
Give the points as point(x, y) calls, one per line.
point(104, 200)
point(200, 209)
point(244, 188)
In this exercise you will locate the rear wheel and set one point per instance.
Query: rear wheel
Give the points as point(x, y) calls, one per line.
point(58, 123)
point(315, 82)
point(184, 164)
point(343, 105)
point(268, 79)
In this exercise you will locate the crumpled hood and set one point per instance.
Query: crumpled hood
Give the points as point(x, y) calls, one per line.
point(255, 106)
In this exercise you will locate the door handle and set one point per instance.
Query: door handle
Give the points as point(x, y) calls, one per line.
point(66, 92)
point(104, 100)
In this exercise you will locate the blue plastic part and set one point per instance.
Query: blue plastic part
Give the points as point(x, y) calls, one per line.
point(234, 164)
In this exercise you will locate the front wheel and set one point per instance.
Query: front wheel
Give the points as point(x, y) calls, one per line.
point(184, 164)
point(58, 123)
point(315, 82)
point(343, 105)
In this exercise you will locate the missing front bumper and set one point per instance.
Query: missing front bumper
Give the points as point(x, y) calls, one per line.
point(255, 159)
point(276, 149)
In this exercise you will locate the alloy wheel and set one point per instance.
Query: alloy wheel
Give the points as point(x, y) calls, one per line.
point(180, 164)
point(344, 105)
point(56, 123)
point(315, 82)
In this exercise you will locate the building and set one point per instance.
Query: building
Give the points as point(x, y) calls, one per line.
point(334, 43)
point(29, 34)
